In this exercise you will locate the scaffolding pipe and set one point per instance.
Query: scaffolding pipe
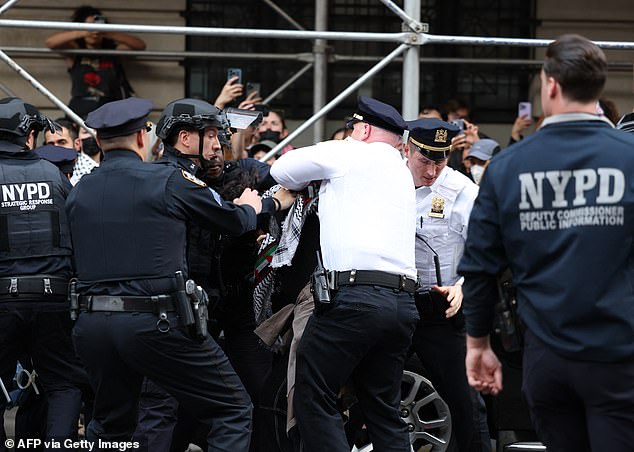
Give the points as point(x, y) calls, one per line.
point(208, 31)
point(405, 37)
point(320, 71)
point(7, 5)
point(287, 83)
point(305, 56)
point(410, 17)
point(411, 67)
point(42, 89)
point(6, 90)
point(149, 54)
point(333, 103)
point(282, 13)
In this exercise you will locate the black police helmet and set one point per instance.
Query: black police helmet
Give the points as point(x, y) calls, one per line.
point(190, 113)
point(19, 118)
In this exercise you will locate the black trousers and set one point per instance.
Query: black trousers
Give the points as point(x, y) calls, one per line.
point(365, 336)
point(440, 344)
point(576, 405)
point(42, 331)
point(119, 349)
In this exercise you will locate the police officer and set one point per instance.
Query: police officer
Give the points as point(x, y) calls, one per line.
point(558, 208)
point(128, 221)
point(35, 266)
point(365, 331)
point(444, 198)
point(181, 122)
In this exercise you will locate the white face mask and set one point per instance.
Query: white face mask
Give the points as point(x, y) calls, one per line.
point(476, 172)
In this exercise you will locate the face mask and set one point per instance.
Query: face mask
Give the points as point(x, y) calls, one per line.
point(476, 172)
point(89, 146)
point(270, 135)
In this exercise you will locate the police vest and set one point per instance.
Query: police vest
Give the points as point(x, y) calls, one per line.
point(121, 227)
point(32, 217)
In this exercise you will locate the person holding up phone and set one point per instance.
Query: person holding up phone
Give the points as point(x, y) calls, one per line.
point(523, 121)
point(96, 79)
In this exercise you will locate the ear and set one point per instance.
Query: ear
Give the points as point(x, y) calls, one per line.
point(184, 137)
point(30, 141)
point(140, 141)
point(77, 144)
point(406, 149)
point(552, 88)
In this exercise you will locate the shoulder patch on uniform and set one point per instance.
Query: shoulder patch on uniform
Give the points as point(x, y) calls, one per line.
point(190, 177)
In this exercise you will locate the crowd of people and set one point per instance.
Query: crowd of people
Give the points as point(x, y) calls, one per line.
point(169, 288)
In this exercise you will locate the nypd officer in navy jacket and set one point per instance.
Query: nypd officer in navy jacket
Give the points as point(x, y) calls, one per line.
point(128, 222)
point(558, 208)
point(35, 266)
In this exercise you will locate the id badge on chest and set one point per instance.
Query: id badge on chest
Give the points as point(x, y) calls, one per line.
point(437, 207)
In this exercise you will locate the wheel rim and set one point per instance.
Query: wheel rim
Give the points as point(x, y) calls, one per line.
point(426, 414)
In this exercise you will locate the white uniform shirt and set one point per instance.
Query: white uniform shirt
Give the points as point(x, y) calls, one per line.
point(455, 193)
point(366, 203)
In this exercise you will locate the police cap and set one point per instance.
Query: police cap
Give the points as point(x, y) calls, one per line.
point(432, 137)
point(379, 114)
point(120, 118)
point(63, 158)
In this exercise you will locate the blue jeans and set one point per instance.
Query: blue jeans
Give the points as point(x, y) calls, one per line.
point(364, 336)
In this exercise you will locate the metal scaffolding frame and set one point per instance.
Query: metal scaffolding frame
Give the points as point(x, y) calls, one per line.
point(413, 36)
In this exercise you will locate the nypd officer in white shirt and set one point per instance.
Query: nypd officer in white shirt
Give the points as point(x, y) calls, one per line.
point(367, 241)
point(444, 198)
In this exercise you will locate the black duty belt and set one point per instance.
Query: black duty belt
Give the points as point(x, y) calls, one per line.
point(371, 278)
point(109, 303)
point(28, 286)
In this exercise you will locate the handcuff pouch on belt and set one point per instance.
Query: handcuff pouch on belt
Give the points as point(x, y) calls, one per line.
point(73, 298)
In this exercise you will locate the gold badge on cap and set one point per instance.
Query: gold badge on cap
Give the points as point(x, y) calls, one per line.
point(441, 136)
point(437, 207)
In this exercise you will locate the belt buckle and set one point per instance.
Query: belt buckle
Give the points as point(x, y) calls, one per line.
point(13, 287)
point(47, 286)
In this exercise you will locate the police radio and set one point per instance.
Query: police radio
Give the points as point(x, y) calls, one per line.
point(319, 286)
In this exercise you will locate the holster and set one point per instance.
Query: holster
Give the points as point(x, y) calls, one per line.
point(506, 323)
point(199, 304)
point(320, 288)
point(431, 307)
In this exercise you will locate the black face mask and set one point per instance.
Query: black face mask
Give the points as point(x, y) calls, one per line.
point(89, 146)
point(270, 135)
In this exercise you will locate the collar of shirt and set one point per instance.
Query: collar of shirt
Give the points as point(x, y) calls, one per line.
point(570, 117)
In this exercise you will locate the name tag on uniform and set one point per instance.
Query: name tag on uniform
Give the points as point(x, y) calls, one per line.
point(437, 207)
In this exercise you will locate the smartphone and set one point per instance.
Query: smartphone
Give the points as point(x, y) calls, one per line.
point(234, 72)
point(458, 123)
point(253, 87)
point(525, 109)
